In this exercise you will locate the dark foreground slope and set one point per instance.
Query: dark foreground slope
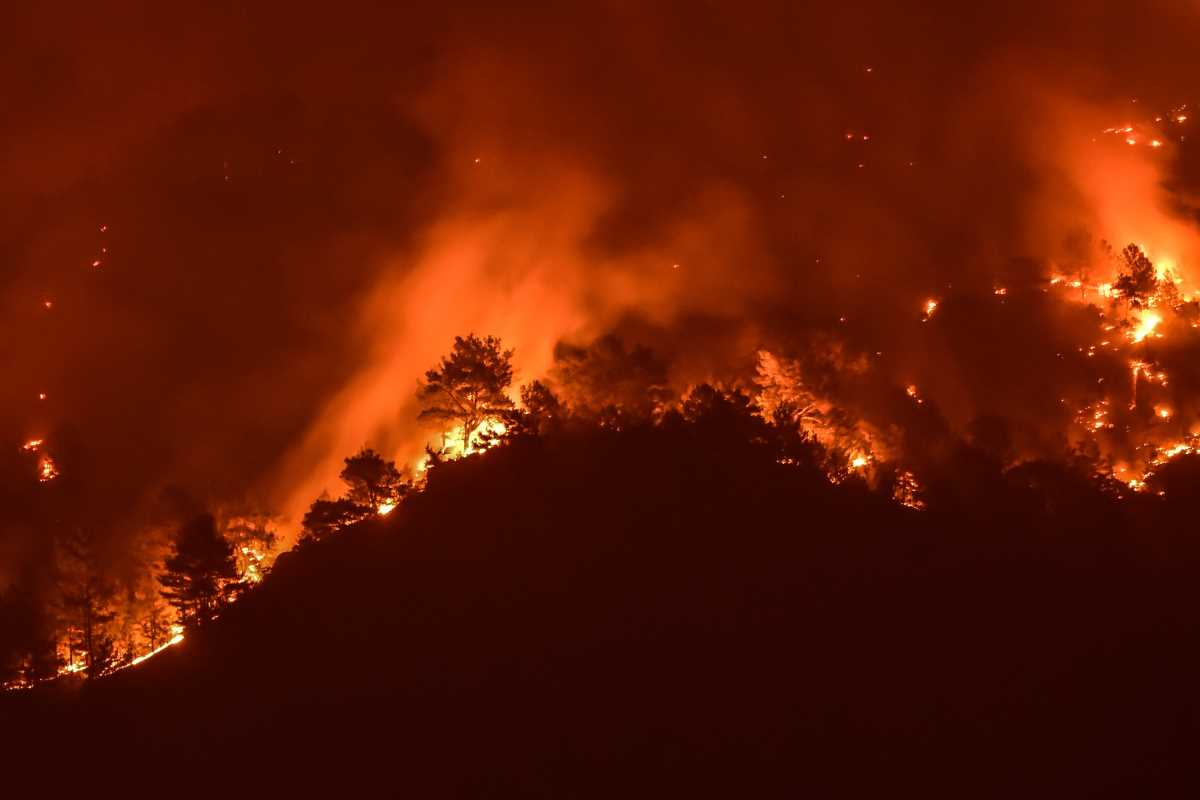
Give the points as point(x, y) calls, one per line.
point(664, 612)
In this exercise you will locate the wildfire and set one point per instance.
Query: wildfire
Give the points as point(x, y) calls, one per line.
point(174, 640)
point(386, 508)
point(1146, 326)
point(47, 471)
point(454, 446)
point(907, 491)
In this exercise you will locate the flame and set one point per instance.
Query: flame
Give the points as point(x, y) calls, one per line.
point(1146, 325)
point(47, 471)
point(386, 508)
point(174, 640)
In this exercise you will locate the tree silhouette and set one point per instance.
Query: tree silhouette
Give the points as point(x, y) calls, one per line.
point(609, 382)
point(326, 516)
point(28, 651)
point(372, 481)
point(1137, 281)
point(86, 598)
point(541, 411)
point(200, 564)
point(468, 386)
point(155, 625)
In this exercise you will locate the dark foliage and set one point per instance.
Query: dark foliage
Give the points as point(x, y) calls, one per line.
point(201, 562)
point(670, 610)
point(372, 480)
point(330, 516)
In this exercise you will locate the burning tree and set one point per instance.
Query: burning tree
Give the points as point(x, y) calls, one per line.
point(156, 626)
point(374, 486)
point(253, 542)
point(1137, 281)
point(86, 599)
point(200, 564)
point(469, 387)
point(374, 482)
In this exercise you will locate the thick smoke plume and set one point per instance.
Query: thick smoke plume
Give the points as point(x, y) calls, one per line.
point(300, 213)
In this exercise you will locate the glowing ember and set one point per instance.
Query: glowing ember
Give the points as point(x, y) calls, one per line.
point(47, 471)
point(930, 307)
point(386, 508)
point(907, 491)
point(31, 445)
point(174, 640)
point(1146, 325)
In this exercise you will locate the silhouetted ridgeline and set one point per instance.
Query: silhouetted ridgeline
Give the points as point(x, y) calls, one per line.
point(667, 611)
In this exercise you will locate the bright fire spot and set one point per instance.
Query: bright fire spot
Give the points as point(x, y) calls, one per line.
point(453, 445)
point(41, 395)
point(930, 307)
point(1000, 290)
point(906, 492)
point(1155, 143)
point(1163, 412)
point(47, 471)
point(911, 391)
point(859, 461)
point(386, 508)
point(31, 445)
point(174, 640)
point(48, 303)
point(1149, 321)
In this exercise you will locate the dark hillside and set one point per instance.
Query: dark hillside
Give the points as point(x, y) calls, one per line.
point(669, 612)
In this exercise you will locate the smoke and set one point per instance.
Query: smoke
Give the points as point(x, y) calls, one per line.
point(303, 212)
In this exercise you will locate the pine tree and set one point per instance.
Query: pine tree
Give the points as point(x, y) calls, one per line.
point(200, 565)
point(468, 387)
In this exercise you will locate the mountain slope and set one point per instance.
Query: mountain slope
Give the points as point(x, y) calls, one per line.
point(669, 611)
